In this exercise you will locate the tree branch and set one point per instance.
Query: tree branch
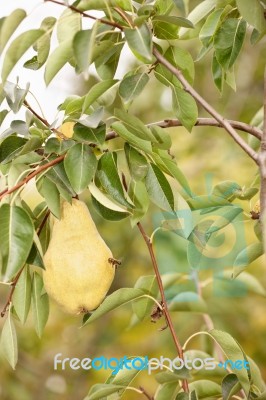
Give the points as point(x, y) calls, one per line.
point(164, 302)
point(218, 117)
point(102, 20)
point(15, 281)
point(145, 393)
point(32, 175)
point(262, 165)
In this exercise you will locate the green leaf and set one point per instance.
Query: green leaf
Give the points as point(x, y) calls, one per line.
point(123, 132)
point(246, 281)
point(210, 26)
point(115, 300)
point(83, 44)
point(101, 390)
point(40, 304)
point(185, 107)
point(68, 25)
point(60, 56)
point(167, 376)
point(167, 391)
point(43, 45)
point(134, 125)
point(22, 295)
point(182, 59)
point(252, 13)
point(233, 352)
point(159, 189)
point(9, 26)
point(217, 74)
point(107, 213)
point(131, 86)
point(227, 189)
point(188, 301)
point(16, 239)
point(163, 138)
point(139, 196)
point(230, 386)
point(49, 191)
point(17, 48)
point(3, 114)
point(198, 13)
point(9, 343)
point(167, 26)
point(228, 41)
point(137, 163)
point(246, 257)
point(95, 92)
point(58, 175)
point(205, 389)
point(107, 174)
point(80, 165)
point(142, 307)
point(169, 166)
point(85, 5)
point(85, 134)
point(10, 147)
point(139, 42)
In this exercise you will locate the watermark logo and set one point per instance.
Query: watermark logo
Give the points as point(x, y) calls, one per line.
point(144, 363)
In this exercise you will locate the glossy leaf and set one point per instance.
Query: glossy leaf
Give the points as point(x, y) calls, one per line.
point(198, 13)
point(185, 107)
point(139, 196)
point(17, 48)
point(49, 191)
point(59, 57)
point(16, 239)
point(95, 92)
point(40, 304)
point(83, 45)
point(210, 26)
point(142, 307)
point(43, 45)
point(183, 60)
point(135, 125)
point(137, 163)
point(22, 295)
point(87, 135)
point(230, 386)
point(139, 41)
point(252, 13)
point(159, 189)
point(205, 389)
point(8, 342)
point(9, 26)
point(247, 256)
point(167, 391)
point(131, 86)
point(80, 165)
point(228, 41)
point(115, 300)
point(234, 352)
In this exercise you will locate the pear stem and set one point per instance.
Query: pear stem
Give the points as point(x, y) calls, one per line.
point(164, 302)
point(15, 281)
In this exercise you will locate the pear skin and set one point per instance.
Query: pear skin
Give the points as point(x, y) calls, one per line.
point(78, 274)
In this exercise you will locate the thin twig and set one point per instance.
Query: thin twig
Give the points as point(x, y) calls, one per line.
point(189, 89)
point(164, 302)
point(102, 20)
point(171, 123)
point(262, 164)
point(15, 281)
point(32, 175)
point(145, 393)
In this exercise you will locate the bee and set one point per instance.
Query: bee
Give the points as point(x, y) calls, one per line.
point(255, 212)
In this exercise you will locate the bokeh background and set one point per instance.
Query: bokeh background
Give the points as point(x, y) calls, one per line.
point(206, 156)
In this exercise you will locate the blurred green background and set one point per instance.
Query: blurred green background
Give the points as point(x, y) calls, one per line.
point(205, 155)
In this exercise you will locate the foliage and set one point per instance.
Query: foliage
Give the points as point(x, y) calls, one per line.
point(127, 181)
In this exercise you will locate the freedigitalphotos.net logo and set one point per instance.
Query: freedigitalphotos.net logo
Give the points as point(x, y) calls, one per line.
point(213, 229)
point(144, 363)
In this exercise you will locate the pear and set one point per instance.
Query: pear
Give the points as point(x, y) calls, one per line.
point(78, 271)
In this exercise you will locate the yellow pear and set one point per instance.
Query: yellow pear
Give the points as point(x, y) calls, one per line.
point(78, 271)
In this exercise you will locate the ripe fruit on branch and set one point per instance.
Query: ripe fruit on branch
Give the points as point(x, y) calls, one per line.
point(78, 269)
